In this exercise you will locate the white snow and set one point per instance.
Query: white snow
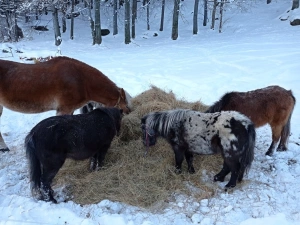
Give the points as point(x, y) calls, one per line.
point(255, 50)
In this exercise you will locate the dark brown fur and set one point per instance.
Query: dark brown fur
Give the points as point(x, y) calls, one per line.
point(62, 84)
point(273, 105)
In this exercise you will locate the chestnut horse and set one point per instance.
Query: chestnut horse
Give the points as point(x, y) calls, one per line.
point(62, 84)
point(273, 105)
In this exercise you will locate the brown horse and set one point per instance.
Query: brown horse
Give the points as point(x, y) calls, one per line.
point(62, 84)
point(273, 105)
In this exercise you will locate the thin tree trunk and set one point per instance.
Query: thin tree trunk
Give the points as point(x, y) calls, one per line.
point(175, 20)
point(64, 22)
point(213, 16)
point(98, 38)
point(195, 18)
point(57, 34)
point(127, 22)
point(148, 14)
point(295, 4)
point(221, 16)
point(92, 23)
point(72, 20)
point(134, 16)
point(205, 13)
point(161, 28)
point(115, 17)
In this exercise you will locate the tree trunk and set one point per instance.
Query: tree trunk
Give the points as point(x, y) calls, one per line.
point(213, 16)
point(295, 4)
point(92, 23)
point(134, 16)
point(221, 16)
point(205, 13)
point(127, 21)
point(72, 20)
point(195, 19)
point(161, 28)
point(148, 14)
point(98, 38)
point(269, 1)
point(175, 20)
point(115, 17)
point(64, 22)
point(57, 34)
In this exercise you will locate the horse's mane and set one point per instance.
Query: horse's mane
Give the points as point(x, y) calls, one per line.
point(161, 122)
point(219, 105)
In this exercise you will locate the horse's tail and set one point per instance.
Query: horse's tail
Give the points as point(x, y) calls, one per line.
point(285, 133)
point(219, 105)
point(34, 163)
point(248, 154)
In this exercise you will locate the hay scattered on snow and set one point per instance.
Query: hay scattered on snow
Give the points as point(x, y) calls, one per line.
point(128, 176)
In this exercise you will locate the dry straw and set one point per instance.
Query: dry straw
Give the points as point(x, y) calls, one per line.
point(130, 177)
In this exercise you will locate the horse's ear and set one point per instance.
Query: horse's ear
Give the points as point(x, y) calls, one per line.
point(122, 93)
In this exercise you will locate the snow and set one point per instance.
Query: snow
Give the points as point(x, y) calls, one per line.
point(255, 50)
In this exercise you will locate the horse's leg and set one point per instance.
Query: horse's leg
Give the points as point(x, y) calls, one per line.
point(285, 133)
point(49, 170)
point(179, 157)
point(93, 162)
point(234, 167)
point(96, 161)
point(276, 132)
point(223, 173)
point(3, 146)
point(189, 159)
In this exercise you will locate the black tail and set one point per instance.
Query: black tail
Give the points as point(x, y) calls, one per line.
point(220, 105)
point(34, 163)
point(248, 155)
point(285, 133)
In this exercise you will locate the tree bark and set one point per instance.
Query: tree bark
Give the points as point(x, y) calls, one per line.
point(161, 28)
point(98, 38)
point(195, 18)
point(213, 15)
point(295, 4)
point(115, 17)
point(127, 22)
point(72, 20)
point(175, 20)
point(205, 13)
point(221, 16)
point(57, 34)
point(133, 17)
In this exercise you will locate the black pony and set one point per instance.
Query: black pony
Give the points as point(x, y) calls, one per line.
point(78, 137)
point(230, 133)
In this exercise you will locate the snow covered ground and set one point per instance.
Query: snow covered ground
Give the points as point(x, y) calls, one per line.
point(255, 50)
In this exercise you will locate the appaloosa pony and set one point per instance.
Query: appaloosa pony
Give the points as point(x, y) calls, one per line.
point(273, 105)
point(229, 133)
point(78, 137)
point(62, 84)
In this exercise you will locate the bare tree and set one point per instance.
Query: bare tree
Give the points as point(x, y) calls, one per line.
point(133, 16)
point(57, 34)
point(213, 15)
point(161, 28)
point(195, 18)
point(115, 17)
point(98, 38)
point(205, 12)
point(175, 19)
point(295, 4)
point(72, 20)
point(221, 15)
point(127, 22)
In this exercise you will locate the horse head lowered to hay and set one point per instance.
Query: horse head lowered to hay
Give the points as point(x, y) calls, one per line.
point(229, 133)
point(78, 137)
point(62, 84)
point(273, 105)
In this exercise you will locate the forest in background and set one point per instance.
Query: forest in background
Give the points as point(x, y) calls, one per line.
point(116, 14)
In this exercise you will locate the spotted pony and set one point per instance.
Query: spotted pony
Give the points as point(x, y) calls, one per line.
point(230, 133)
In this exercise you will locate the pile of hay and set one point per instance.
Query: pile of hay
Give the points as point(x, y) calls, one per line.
point(130, 177)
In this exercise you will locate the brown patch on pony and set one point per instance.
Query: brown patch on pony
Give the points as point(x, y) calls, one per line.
point(127, 176)
point(272, 105)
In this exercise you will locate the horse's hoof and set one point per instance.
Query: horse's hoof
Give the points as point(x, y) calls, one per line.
point(269, 153)
point(217, 178)
point(281, 149)
point(191, 170)
point(4, 149)
point(229, 187)
point(178, 171)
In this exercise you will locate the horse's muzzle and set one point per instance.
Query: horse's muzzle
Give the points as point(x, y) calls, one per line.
point(149, 137)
